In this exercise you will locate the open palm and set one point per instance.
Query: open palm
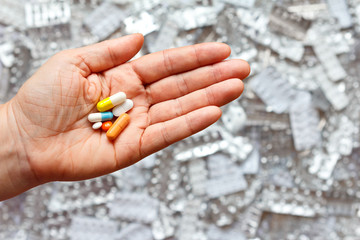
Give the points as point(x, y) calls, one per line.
point(176, 93)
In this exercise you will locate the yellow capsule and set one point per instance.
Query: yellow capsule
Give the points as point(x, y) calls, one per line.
point(118, 126)
point(112, 101)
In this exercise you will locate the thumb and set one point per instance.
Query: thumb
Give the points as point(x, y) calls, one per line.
point(108, 54)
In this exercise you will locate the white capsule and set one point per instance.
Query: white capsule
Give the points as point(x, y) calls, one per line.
point(97, 125)
point(123, 108)
point(118, 98)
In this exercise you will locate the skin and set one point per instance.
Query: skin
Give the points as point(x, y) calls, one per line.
point(45, 132)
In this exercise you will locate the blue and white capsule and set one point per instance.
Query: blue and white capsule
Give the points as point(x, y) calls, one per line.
point(100, 117)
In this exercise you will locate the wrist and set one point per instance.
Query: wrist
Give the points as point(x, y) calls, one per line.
point(16, 175)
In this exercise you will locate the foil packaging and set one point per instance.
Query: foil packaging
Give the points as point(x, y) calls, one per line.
point(281, 163)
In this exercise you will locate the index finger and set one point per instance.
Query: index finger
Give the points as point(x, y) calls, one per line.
point(107, 54)
point(156, 66)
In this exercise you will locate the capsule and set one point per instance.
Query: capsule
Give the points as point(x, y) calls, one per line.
point(97, 125)
point(112, 101)
point(106, 126)
point(123, 108)
point(118, 126)
point(99, 117)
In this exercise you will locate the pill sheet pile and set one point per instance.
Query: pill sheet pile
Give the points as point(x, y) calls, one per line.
point(281, 163)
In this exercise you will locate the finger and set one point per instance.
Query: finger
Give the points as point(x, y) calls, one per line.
point(218, 94)
point(108, 54)
point(161, 135)
point(162, 64)
point(175, 86)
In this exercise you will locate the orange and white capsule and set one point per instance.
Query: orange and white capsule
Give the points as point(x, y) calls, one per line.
point(112, 101)
point(118, 126)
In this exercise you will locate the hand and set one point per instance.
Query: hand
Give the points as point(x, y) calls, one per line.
point(176, 93)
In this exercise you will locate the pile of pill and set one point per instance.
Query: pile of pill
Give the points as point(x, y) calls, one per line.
point(119, 105)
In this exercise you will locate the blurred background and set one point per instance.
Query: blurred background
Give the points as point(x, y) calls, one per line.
point(281, 163)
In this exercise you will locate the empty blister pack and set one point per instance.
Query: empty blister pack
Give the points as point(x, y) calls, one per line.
point(281, 200)
point(234, 118)
point(190, 227)
point(225, 185)
point(197, 176)
point(104, 20)
point(252, 163)
point(340, 140)
point(323, 164)
point(165, 37)
point(41, 13)
point(337, 97)
point(340, 10)
point(195, 17)
point(164, 226)
point(309, 10)
point(225, 177)
point(329, 61)
point(135, 231)
point(12, 13)
point(131, 176)
point(255, 27)
point(143, 23)
point(275, 91)
point(250, 220)
point(304, 122)
point(287, 23)
point(89, 228)
point(240, 3)
point(232, 233)
point(138, 207)
point(4, 83)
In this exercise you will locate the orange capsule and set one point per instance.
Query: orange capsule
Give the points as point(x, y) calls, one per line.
point(118, 126)
point(106, 125)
